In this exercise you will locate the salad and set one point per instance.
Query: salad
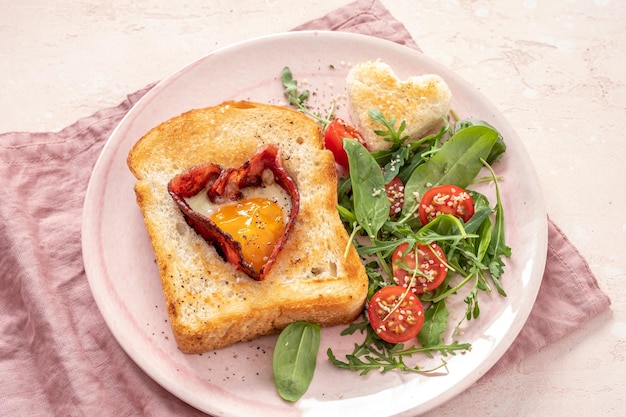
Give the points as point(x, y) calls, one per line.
point(423, 235)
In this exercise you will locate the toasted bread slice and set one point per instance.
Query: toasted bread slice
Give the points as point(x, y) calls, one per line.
point(210, 303)
point(420, 100)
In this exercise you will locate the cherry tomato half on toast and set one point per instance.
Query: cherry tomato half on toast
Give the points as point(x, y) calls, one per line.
point(396, 315)
point(431, 264)
point(446, 199)
point(336, 131)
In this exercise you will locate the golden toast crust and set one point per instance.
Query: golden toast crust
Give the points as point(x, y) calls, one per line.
point(210, 304)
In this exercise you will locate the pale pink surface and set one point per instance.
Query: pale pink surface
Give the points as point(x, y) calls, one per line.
point(54, 342)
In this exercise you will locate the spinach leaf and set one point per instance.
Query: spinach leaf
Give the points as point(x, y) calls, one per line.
point(435, 322)
point(457, 162)
point(371, 204)
point(392, 168)
point(295, 358)
point(498, 148)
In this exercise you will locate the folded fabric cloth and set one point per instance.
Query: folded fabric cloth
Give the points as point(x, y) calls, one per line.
point(54, 344)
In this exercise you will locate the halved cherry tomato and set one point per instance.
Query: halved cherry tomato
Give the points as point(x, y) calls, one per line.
point(431, 266)
point(396, 315)
point(446, 199)
point(336, 131)
point(395, 193)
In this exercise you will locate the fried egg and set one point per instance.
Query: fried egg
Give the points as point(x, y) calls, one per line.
point(257, 221)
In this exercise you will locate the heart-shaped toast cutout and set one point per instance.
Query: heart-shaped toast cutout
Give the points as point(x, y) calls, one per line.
point(421, 101)
point(224, 198)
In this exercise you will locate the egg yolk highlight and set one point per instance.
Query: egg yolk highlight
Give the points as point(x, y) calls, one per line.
point(256, 223)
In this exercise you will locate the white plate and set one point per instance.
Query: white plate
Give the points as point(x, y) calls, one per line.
point(238, 381)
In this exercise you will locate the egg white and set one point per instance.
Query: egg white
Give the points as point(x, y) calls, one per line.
point(269, 190)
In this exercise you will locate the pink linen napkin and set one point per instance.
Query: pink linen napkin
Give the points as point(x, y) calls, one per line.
point(57, 356)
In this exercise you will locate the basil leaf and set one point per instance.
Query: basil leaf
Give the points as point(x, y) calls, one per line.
point(457, 162)
point(371, 205)
point(295, 358)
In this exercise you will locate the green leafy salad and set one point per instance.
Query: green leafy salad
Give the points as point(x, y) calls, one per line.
point(422, 236)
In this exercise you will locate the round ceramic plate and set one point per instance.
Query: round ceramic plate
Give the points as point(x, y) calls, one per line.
point(237, 381)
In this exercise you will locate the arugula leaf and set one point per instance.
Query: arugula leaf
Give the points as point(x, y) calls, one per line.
point(371, 204)
point(298, 99)
point(294, 360)
point(378, 355)
point(403, 157)
point(291, 89)
point(391, 134)
point(497, 246)
point(473, 309)
point(484, 231)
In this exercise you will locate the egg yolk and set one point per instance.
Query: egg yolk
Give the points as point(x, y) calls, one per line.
point(256, 223)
